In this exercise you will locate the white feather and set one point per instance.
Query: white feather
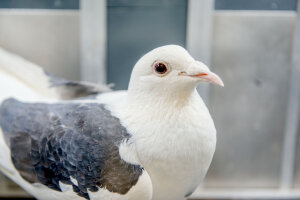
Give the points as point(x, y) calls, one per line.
point(23, 79)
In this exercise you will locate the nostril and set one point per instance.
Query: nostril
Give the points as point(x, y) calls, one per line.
point(182, 73)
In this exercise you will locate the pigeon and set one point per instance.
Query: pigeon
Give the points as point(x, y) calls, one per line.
point(62, 139)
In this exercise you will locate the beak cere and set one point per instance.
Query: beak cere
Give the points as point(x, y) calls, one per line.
point(209, 77)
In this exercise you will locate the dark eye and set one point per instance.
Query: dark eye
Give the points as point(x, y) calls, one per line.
point(160, 68)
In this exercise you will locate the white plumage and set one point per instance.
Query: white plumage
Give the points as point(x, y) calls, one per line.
point(173, 136)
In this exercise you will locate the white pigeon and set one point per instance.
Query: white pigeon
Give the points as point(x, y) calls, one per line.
point(71, 140)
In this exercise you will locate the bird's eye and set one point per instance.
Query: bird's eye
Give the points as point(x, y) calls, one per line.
point(160, 68)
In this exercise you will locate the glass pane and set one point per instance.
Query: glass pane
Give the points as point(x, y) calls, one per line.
point(251, 52)
point(135, 27)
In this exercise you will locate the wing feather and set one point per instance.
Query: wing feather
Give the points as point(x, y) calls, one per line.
point(52, 143)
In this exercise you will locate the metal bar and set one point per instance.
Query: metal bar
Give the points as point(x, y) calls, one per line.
point(37, 4)
point(245, 194)
point(256, 5)
point(93, 40)
point(199, 31)
point(292, 118)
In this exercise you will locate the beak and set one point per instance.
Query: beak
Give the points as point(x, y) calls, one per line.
point(201, 71)
point(209, 77)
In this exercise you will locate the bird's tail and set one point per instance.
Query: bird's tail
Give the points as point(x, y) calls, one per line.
point(27, 81)
point(22, 79)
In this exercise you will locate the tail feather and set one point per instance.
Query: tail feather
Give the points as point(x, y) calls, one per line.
point(18, 74)
point(22, 79)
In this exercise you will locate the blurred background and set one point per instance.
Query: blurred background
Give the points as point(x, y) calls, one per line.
point(253, 45)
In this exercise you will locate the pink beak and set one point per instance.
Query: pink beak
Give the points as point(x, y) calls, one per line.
point(209, 77)
point(200, 70)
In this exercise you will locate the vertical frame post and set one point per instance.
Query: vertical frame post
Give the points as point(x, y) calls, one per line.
point(199, 34)
point(93, 40)
point(292, 116)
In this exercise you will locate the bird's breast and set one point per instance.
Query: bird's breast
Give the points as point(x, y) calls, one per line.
point(165, 135)
point(177, 158)
point(174, 145)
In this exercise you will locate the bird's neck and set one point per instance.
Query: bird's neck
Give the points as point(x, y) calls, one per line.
point(162, 98)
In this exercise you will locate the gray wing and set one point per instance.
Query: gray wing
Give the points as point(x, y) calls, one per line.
point(50, 143)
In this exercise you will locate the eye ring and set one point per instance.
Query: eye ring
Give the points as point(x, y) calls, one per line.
point(161, 68)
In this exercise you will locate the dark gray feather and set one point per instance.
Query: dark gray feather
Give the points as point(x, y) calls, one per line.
point(50, 143)
point(67, 89)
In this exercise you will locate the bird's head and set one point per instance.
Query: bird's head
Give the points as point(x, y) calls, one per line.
point(169, 69)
